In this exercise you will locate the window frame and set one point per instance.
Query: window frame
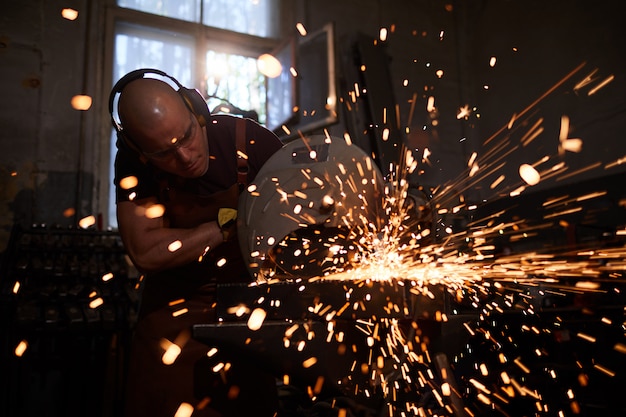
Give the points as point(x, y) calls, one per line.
point(206, 38)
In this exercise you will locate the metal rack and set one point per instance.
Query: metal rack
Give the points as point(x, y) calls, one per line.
point(68, 304)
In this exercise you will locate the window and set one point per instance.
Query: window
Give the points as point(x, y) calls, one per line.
point(253, 17)
point(143, 47)
point(179, 9)
point(235, 78)
point(187, 46)
point(244, 16)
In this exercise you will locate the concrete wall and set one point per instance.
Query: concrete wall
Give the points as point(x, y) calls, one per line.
point(50, 163)
point(47, 162)
point(537, 45)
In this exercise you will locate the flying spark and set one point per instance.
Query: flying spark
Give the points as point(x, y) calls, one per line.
point(531, 317)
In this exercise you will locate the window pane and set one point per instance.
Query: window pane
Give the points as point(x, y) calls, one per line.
point(180, 9)
point(237, 79)
point(254, 17)
point(141, 47)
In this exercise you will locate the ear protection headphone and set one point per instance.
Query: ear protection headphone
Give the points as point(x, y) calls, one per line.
point(191, 97)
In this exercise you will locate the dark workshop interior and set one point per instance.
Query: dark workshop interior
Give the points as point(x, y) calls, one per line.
point(488, 95)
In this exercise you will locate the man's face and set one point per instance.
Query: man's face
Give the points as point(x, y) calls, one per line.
point(177, 145)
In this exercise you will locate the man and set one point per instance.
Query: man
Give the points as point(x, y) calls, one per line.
point(178, 175)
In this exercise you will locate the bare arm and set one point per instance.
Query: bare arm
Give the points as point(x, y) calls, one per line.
point(153, 246)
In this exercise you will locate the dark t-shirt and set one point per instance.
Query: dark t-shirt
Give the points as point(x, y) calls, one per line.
point(183, 282)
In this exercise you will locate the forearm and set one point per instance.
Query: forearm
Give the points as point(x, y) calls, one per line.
point(165, 248)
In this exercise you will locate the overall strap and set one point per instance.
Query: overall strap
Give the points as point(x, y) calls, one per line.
point(242, 155)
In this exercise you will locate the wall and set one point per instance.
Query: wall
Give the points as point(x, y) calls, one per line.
point(49, 164)
point(536, 45)
point(552, 40)
point(47, 161)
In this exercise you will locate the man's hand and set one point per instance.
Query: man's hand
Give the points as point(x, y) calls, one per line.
point(226, 219)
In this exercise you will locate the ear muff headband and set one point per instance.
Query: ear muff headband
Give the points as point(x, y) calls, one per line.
point(190, 96)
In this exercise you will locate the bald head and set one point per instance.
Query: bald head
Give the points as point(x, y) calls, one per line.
point(145, 104)
point(164, 130)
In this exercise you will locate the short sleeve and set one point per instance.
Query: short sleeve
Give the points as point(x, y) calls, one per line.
point(133, 178)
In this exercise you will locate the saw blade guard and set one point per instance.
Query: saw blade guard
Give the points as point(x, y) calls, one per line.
point(308, 207)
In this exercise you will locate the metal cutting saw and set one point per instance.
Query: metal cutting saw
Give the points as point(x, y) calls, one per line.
point(312, 210)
